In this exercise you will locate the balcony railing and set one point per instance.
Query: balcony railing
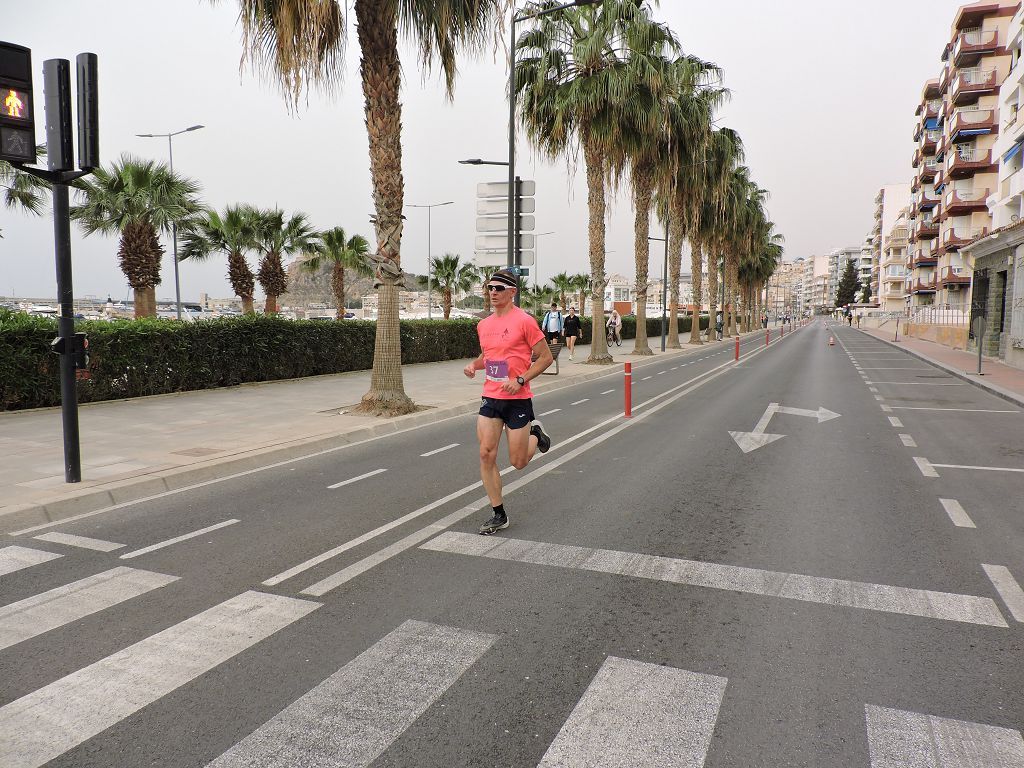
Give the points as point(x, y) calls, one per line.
point(942, 314)
point(932, 108)
point(923, 258)
point(926, 228)
point(966, 159)
point(973, 42)
point(955, 276)
point(974, 81)
point(972, 120)
point(961, 200)
point(925, 286)
point(955, 237)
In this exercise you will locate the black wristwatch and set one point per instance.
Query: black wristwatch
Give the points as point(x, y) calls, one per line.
point(521, 381)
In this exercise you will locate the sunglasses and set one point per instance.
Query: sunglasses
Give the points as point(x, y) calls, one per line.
point(498, 288)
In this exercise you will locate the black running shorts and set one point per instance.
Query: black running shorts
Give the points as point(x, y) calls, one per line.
point(515, 413)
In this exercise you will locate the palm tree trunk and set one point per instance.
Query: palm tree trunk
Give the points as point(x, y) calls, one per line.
point(594, 159)
point(712, 291)
point(643, 190)
point(675, 266)
point(696, 267)
point(447, 303)
point(380, 69)
point(338, 288)
point(139, 302)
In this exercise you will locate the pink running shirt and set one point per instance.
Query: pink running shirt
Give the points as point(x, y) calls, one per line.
point(507, 343)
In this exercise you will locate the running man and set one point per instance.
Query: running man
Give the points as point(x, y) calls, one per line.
point(507, 337)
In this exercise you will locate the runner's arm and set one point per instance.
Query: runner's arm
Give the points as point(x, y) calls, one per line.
point(544, 359)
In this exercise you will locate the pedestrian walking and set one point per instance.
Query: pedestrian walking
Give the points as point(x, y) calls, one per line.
point(718, 326)
point(552, 323)
point(507, 339)
point(572, 330)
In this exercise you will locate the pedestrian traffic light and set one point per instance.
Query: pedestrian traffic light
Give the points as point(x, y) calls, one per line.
point(88, 112)
point(17, 121)
point(60, 155)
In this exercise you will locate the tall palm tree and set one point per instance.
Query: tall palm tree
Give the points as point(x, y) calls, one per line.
point(341, 252)
point(301, 42)
point(452, 275)
point(230, 233)
point(580, 284)
point(22, 191)
point(276, 236)
point(138, 200)
point(581, 77)
point(646, 147)
point(562, 284)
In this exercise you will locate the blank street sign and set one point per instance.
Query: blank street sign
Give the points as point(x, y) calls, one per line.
point(500, 258)
point(500, 189)
point(499, 206)
point(495, 224)
point(497, 242)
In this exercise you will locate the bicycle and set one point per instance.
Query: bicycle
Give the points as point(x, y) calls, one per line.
point(613, 337)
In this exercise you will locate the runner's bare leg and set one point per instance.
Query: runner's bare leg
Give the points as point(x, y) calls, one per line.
point(521, 446)
point(488, 433)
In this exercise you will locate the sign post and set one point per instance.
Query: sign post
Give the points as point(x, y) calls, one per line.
point(502, 210)
point(978, 326)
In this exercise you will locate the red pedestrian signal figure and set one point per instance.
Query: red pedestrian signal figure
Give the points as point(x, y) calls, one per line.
point(13, 104)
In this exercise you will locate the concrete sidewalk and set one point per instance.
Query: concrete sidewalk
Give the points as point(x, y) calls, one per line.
point(999, 379)
point(136, 448)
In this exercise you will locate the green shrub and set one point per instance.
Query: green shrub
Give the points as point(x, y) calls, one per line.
point(132, 358)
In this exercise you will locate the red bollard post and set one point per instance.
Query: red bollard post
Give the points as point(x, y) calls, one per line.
point(782, 330)
point(767, 336)
point(737, 349)
point(629, 390)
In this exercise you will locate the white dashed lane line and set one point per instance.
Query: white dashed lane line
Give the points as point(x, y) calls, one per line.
point(439, 450)
point(607, 391)
point(548, 413)
point(584, 400)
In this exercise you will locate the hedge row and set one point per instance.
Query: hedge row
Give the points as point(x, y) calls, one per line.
point(133, 358)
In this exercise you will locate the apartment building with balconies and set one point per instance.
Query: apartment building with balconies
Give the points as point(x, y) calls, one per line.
point(922, 224)
point(891, 201)
point(975, 64)
point(1006, 203)
point(892, 295)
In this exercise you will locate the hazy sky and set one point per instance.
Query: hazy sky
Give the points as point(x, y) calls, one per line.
point(824, 93)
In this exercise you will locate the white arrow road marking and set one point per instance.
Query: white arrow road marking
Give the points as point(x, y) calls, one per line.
point(751, 441)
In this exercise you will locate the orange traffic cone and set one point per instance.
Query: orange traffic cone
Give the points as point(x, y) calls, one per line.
point(831, 341)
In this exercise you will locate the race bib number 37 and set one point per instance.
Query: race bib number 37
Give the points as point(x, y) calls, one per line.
point(497, 370)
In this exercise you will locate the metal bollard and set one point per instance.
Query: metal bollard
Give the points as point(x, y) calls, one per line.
point(629, 390)
point(782, 330)
point(737, 349)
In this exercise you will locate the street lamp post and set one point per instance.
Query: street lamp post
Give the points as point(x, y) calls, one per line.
point(174, 225)
point(536, 258)
point(513, 250)
point(664, 287)
point(430, 208)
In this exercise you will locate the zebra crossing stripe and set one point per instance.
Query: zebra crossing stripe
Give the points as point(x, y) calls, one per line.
point(898, 739)
point(83, 542)
point(55, 718)
point(946, 606)
point(41, 613)
point(350, 718)
point(14, 558)
point(635, 715)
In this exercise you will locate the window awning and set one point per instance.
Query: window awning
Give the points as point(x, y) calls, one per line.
point(1013, 151)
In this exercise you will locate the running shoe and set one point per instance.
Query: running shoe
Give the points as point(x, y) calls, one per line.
point(497, 523)
point(543, 441)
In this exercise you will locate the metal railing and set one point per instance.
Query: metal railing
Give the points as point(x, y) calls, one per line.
point(941, 314)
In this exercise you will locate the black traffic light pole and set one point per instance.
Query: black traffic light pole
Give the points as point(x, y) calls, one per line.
point(60, 162)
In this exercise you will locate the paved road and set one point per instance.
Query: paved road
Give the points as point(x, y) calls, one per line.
point(846, 595)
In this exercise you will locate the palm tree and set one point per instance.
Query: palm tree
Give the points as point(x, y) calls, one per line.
point(277, 237)
point(341, 252)
point(452, 275)
point(561, 284)
point(22, 191)
point(483, 274)
point(231, 234)
point(581, 284)
point(301, 42)
point(138, 199)
point(580, 78)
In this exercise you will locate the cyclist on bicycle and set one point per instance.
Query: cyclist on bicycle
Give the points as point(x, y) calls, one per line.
point(614, 326)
